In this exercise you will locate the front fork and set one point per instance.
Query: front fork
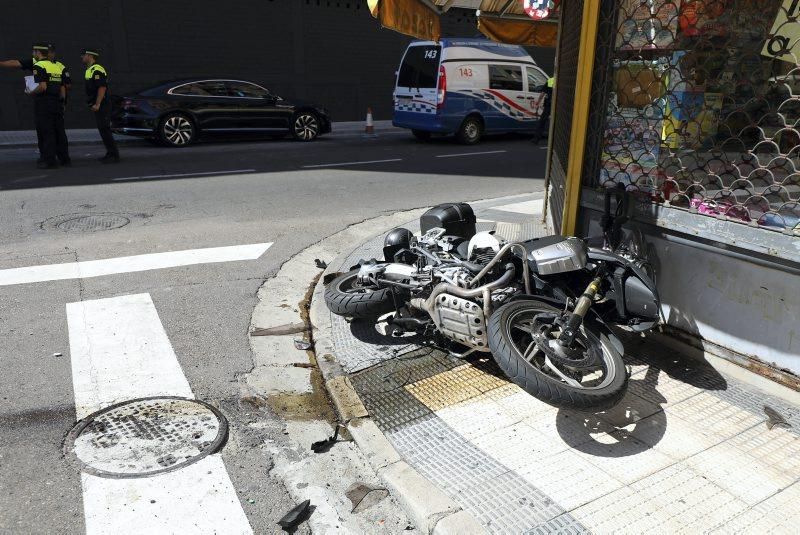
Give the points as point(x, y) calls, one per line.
point(574, 320)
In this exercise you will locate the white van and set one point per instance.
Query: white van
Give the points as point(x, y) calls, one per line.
point(467, 87)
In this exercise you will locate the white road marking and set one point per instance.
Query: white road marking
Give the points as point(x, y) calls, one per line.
point(177, 175)
point(470, 153)
point(351, 163)
point(130, 264)
point(119, 350)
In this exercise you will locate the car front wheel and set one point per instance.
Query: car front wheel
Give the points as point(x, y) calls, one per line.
point(305, 126)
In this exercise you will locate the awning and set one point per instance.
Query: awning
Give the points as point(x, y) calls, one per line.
point(410, 17)
point(503, 21)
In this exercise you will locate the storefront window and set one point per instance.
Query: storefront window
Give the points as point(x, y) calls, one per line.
point(704, 109)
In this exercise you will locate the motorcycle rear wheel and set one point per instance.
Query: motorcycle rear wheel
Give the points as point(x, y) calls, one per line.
point(515, 343)
point(345, 297)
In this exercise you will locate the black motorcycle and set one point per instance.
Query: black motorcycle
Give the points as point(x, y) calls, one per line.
point(541, 306)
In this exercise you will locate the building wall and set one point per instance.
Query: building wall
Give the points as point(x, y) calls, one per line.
point(329, 52)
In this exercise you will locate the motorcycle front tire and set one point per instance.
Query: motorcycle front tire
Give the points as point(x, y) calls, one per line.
point(344, 298)
point(543, 386)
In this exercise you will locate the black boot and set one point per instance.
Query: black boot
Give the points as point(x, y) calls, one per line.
point(110, 158)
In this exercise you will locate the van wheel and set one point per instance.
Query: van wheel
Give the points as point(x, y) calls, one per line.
point(421, 135)
point(471, 131)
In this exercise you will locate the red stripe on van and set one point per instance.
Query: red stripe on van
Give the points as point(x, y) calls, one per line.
point(510, 102)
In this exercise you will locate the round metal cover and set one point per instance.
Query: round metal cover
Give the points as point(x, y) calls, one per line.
point(148, 436)
point(93, 223)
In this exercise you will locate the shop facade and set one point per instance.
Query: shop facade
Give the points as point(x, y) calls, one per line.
point(693, 107)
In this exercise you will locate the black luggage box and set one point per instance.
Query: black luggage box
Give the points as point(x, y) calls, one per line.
point(457, 218)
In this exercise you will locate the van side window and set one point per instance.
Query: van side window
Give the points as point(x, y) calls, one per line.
point(506, 77)
point(536, 78)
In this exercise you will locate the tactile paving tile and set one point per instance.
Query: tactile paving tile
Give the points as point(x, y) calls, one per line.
point(714, 415)
point(776, 514)
point(518, 446)
point(658, 387)
point(568, 479)
point(443, 456)
point(508, 504)
point(777, 447)
point(560, 525)
point(629, 410)
point(481, 484)
point(673, 500)
point(475, 417)
point(672, 436)
point(508, 217)
point(623, 456)
point(741, 474)
point(518, 404)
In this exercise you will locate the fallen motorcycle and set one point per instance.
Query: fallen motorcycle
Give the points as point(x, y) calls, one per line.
point(541, 306)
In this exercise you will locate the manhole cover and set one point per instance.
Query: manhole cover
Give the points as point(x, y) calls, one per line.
point(93, 223)
point(143, 437)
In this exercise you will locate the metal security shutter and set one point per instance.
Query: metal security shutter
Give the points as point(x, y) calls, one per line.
point(567, 61)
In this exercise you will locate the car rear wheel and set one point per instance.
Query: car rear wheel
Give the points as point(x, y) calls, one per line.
point(177, 130)
point(305, 126)
point(471, 131)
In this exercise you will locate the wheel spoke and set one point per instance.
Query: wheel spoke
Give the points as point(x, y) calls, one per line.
point(569, 380)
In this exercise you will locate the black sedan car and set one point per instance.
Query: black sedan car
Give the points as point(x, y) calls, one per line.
point(177, 113)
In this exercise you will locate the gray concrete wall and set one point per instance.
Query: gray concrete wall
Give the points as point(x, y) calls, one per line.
point(329, 52)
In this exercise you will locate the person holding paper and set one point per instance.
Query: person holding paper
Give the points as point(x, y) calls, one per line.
point(49, 96)
point(26, 64)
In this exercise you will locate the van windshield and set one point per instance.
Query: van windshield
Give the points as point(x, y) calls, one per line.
point(420, 67)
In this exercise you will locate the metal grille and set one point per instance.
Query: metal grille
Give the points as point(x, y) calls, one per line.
point(703, 112)
point(567, 61)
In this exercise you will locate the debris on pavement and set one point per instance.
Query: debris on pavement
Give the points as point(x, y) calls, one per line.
point(302, 345)
point(58, 355)
point(358, 492)
point(326, 280)
point(774, 418)
point(296, 516)
point(287, 328)
point(302, 365)
point(322, 446)
point(321, 264)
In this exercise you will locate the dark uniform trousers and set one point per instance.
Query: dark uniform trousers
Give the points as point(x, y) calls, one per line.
point(50, 124)
point(103, 119)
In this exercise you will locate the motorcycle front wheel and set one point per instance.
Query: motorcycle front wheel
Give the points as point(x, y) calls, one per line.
point(588, 376)
point(345, 297)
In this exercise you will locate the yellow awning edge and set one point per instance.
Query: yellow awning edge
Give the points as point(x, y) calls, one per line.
point(519, 32)
point(409, 17)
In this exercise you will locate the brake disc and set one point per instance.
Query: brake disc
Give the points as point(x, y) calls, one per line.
point(580, 357)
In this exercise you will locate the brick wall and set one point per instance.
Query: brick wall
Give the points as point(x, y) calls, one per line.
point(325, 51)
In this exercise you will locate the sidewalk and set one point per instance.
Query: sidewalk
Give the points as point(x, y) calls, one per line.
point(83, 136)
point(687, 450)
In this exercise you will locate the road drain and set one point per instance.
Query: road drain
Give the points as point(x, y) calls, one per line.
point(148, 436)
point(93, 223)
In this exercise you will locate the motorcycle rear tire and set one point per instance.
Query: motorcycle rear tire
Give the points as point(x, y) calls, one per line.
point(541, 385)
point(343, 300)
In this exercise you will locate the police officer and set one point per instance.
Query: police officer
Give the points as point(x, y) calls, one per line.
point(49, 96)
point(66, 78)
point(547, 89)
point(26, 64)
point(96, 79)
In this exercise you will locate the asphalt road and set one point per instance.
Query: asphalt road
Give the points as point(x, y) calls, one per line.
point(206, 196)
